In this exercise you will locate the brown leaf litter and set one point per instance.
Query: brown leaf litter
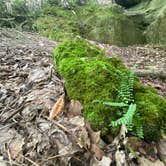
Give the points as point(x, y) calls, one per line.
point(31, 97)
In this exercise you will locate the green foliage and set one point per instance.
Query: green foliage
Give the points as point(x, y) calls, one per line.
point(88, 77)
point(127, 117)
point(57, 24)
point(125, 92)
point(114, 104)
point(105, 24)
point(3, 9)
point(17, 15)
point(19, 7)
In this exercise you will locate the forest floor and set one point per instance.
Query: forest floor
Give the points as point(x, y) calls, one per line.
point(32, 93)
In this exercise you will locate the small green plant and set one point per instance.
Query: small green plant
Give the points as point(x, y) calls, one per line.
point(125, 94)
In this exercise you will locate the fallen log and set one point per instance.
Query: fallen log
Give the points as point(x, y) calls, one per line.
point(151, 73)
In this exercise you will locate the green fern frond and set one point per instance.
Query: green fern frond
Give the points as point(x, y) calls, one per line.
point(127, 117)
point(114, 104)
point(125, 92)
point(139, 127)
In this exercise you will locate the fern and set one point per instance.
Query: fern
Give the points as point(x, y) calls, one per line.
point(114, 104)
point(127, 117)
point(125, 94)
point(139, 127)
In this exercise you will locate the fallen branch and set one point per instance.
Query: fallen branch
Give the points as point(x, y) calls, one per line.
point(151, 73)
point(7, 19)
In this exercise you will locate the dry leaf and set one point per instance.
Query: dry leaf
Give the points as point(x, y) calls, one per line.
point(2, 161)
point(58, 107)
point(98, 153)
point(83, 138)
point(94, 136)
point(75, 108)
point(145, 162)
point(78, 121)
point(15, 148)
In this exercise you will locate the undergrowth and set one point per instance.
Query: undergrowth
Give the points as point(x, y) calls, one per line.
point(106, 24)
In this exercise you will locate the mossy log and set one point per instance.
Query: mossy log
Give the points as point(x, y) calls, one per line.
point(90, 75)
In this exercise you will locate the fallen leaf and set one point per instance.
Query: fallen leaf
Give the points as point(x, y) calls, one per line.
point(83, 138)
point(58, 107)
point(94, 136)
point(162, 148)
point(98, 153)
point(77, 120)
point(2, 161)
point(15, 148)
point(75, 108)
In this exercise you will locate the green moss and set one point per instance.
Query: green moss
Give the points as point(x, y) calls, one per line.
point(85, 80)
point(152, 109)
point(76, 47)
point(89, 75)
point(156, 31)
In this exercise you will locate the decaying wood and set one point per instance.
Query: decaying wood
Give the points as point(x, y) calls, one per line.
point(151, 73)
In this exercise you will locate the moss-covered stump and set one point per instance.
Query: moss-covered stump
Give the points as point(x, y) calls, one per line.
point(90, 75)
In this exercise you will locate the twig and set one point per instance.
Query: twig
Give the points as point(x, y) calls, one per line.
point(31, 161)
point(9, 156)
point(12, 114)
point(60, 126)
point(3, 127)
point(7, 19)
point(60, 155)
